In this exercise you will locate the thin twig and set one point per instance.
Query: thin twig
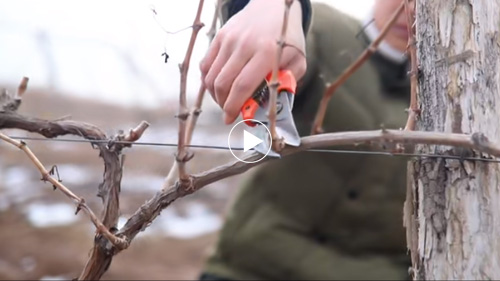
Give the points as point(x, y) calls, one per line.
point(155, 14)
point(367, 53)
point(277, 141)
point(120, 243)
point(137, 132)
point(182, 154)
point(191, 125)
point(413, 111)
point(213, 27)
point(11, 102)
point(196, 110)
point(21, 89)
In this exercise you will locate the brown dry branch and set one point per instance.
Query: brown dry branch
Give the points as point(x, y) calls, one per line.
point(278, 143)
point(191, 125)
point(110, 152)
point(136, 133)
point(79, 201)
point(195, 112)
point(10, 102)
point(182, 154)
point(23, 86)
point(367, 53)
point(413, 111)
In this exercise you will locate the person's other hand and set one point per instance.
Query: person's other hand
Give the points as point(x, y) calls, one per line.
point(244, 50)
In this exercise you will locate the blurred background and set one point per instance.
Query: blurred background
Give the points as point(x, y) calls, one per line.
point(101, 62)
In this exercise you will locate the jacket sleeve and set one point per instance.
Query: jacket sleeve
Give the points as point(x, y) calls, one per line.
point(231, 7)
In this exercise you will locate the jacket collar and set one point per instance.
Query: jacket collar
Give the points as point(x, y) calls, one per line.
point(392, 65)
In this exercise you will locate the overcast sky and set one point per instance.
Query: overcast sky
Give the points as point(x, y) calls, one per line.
point(108, 49)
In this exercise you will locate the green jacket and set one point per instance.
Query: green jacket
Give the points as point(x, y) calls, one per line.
point(322, 215)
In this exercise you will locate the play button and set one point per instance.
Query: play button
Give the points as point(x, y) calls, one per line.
point(250, 141)
point(243, 138)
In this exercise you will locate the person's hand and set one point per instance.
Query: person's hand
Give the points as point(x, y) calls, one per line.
point(244, 50)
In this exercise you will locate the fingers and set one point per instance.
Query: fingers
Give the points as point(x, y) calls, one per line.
point(250, 77)
point(297, 66)
point(254, 72)
point(206, 63)
point(228, 74)
point(208, 60)
point(221, 59)
point(294, 61)
point(236, 65)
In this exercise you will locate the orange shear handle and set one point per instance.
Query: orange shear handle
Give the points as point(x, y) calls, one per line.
point(286, 82)
point(248, 111)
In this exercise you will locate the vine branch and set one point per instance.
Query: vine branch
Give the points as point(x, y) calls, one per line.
point(367, 53)
point(213, 27)
point(182, 154)
point(277, 141)
point(191, 125)
point(120, 243)
point(108, 190)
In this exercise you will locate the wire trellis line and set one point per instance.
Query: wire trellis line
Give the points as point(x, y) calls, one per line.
point(221, 147)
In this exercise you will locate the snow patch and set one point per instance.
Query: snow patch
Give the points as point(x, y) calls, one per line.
point(121, 222)
point(17, 185)
point(198, 221)
point(16, 175)
point(44, 215)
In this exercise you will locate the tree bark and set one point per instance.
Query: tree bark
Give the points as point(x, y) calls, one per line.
point(452, 211)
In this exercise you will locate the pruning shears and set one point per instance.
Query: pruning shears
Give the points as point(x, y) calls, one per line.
point(257, 106)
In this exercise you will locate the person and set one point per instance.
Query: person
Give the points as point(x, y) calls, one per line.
point(314, 215)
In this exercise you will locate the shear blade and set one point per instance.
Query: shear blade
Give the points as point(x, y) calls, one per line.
point(285, 125)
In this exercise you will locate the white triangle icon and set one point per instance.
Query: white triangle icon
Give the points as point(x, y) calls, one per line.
point(250, 141)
